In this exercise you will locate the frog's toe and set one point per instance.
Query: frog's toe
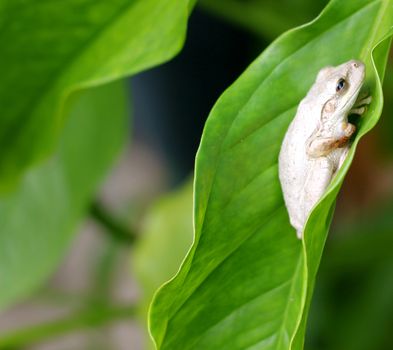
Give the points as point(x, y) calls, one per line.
point(367, 100)
point(358, 111)
point(363, 101)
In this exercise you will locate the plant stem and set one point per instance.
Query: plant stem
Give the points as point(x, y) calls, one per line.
point(116, 229)
point(92, 317)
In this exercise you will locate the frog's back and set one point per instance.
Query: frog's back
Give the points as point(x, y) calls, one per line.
point(293, 161)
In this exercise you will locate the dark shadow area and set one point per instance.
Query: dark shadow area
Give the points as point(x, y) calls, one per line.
point(172, 102)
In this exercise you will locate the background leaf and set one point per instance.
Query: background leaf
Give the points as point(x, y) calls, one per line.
point(166, 235)
point(38, 220)
point(51, 49)
point(247, 279)
point(267, 18)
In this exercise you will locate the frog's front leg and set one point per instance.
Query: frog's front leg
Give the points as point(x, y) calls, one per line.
point(318, 146)
point(363, 100)
point(360, 106)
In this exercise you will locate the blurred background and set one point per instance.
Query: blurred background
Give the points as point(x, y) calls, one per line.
point(139, 227)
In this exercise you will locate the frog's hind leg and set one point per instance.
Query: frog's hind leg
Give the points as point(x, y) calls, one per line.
point(342, 158)
point(318, 179)
point(298, 225)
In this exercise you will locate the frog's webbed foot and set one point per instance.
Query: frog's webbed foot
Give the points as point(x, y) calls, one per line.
point(349, 130)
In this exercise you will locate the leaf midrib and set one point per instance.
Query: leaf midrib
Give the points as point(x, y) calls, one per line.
point(285, 318)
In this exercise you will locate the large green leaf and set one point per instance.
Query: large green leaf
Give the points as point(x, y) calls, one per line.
point(38, 219)
point(51, 48)
point(247, 281)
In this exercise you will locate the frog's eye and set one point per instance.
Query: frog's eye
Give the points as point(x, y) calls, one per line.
point(340, 85)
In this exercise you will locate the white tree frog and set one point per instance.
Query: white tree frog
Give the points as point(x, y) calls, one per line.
point(317, 141)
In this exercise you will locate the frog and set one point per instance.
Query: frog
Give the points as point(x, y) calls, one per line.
point(318, 139)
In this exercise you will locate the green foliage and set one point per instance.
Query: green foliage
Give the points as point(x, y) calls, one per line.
point(247, 281)
point(267, 18)
point(50, 49)
point(356, 278)
point(84, 319)
point(39, 218)
point(166, 234)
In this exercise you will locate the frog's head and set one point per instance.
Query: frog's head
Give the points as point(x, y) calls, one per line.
point(343, 84)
